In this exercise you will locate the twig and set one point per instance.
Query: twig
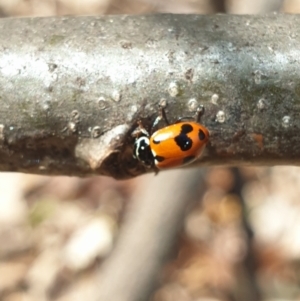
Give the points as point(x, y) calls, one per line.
point(147, 237)
point(247, 287)
point(71, 88)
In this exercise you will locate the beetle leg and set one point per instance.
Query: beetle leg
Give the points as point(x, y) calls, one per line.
point(199, 113)
point(162, 115)
point(156, 170)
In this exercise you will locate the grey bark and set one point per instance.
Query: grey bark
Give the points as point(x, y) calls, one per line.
point(72, 88)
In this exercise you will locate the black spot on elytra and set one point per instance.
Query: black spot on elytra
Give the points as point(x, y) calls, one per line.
point(159, 158)
point(156, 141)
point(188, 159)
point(186, 128)
point(201, 135)
point(182, 140)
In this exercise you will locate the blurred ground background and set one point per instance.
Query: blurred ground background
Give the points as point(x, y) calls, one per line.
point(242, 236)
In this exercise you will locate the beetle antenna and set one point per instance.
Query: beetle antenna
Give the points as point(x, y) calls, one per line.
point(164, 115)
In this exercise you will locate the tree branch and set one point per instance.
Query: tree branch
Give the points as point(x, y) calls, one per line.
point(72, 88)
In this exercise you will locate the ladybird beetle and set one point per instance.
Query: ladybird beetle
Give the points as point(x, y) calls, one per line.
point(175, 145)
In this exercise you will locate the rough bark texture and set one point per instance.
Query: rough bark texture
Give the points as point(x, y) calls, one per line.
point(72, 88)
